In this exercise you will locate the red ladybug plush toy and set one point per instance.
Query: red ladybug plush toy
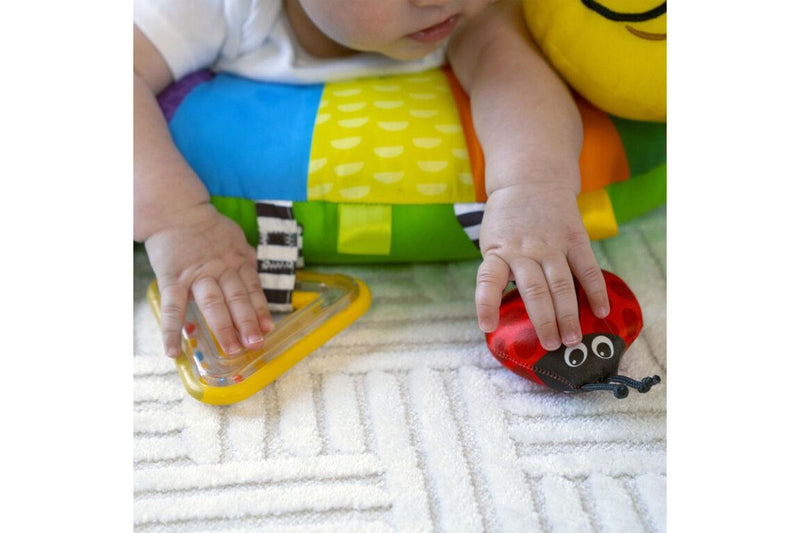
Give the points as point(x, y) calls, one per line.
point(590, 365)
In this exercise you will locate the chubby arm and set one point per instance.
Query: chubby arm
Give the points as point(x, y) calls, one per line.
point(531, 133)
point(194, 251)
point(164, 184)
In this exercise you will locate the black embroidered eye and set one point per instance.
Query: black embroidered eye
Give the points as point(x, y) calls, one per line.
point(576, 355)
point(603, 347)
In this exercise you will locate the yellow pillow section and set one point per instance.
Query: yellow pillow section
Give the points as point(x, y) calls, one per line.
point(389, 140)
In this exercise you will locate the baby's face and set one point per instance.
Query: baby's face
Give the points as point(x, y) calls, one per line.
point(401, 29)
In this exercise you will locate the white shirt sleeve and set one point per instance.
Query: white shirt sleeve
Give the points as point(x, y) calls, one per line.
point(189, 34)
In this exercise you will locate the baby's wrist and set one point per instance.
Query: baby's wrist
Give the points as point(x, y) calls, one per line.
point(189, 216)
point(534, 188)
point(550, 174)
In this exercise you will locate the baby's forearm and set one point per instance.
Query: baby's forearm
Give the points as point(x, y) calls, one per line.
point(530, 133)
point(193, 250)
point(525, 117)
point(165, 187)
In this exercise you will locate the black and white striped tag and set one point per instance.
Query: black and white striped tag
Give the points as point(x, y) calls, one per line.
point(470, 217)
point(279, 252)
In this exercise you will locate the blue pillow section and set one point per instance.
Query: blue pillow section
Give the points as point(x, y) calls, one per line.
point(248, 139)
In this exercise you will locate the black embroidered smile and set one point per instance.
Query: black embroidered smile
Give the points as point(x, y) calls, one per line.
point(644, 16)
point(616, 16)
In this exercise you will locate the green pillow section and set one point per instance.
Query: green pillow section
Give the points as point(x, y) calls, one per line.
point(636, 196)
point(420, 233)
point(645, 146)
point(645, 143)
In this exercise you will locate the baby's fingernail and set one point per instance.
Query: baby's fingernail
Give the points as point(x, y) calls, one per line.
point(486, 327)
point(255, 339)
point(173, 352)
point(571, 338)
point(551, 345)
point(602, 311)
point(233, 349)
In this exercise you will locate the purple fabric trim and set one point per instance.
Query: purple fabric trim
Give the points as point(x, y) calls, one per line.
point(171, 97)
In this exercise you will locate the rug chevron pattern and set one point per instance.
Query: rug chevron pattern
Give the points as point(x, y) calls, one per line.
point(404, 422)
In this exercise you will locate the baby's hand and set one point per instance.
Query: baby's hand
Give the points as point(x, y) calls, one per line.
point(533, 234)
point(205, 254)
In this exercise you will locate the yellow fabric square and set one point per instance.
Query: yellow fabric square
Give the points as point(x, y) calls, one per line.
point(390, 140)
point(598, 214)
point(365, 229)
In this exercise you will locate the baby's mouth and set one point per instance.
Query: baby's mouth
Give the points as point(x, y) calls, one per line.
point(436, 32)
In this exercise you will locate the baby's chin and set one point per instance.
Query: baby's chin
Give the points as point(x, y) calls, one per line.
point(404, 49)
point(410, 52)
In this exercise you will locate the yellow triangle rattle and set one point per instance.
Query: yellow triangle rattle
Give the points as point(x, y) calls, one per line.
point(322, 306)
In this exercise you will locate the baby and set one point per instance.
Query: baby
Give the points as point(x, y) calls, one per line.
point(524, 116)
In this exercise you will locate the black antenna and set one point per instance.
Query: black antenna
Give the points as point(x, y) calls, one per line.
point(619, 385)
point(641, 386)
point(620, 391)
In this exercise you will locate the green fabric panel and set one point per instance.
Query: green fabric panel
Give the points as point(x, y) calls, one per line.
point(419, 233)
point(365, 229)
point(241, 211)
point(645, 143)
point(639, 194)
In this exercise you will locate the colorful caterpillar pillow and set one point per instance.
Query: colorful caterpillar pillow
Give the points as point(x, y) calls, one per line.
point(384, 169)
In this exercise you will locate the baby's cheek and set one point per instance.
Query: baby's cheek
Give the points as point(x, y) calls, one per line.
point(361, 25)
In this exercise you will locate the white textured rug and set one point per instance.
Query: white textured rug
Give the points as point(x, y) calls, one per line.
point(405, 422)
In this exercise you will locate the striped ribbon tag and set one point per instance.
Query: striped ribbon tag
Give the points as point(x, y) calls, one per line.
point(470, 216)
point(279, 252)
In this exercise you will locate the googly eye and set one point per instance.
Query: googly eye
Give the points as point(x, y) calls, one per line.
point(576, 355)
point(602, 347)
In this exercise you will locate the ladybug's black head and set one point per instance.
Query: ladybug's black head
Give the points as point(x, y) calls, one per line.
point(590, 365)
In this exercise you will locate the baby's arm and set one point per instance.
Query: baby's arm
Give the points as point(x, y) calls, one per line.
point(192, 248)
point(531, 133)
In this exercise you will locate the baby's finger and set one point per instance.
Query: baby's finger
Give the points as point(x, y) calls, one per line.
point(535, 291)
point(587, 271)
point(492, 279)
point(562, 291)
point(244, 317)
point(212, 304)
point(252, 284)
point(173, 311)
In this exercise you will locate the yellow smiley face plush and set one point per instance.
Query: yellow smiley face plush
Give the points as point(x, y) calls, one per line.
point(612, 52)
